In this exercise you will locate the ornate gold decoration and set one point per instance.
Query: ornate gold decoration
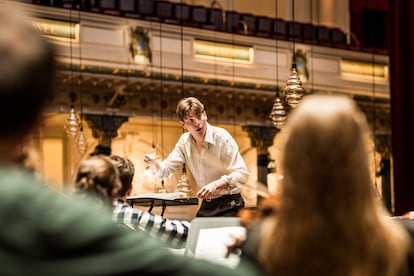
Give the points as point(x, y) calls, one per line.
point(302, 63)
point(139, 46)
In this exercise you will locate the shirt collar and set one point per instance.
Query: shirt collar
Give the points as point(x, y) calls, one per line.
point(118, 201)
point(209, 137)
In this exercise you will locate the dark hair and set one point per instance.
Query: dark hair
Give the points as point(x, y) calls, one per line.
point(126, 171)
point(97, 175)
point(27, 73)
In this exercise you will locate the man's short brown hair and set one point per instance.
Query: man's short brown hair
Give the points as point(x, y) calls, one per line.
point(189, 104)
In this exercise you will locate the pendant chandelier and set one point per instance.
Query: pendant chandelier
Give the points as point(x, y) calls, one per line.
point(73, 125)
point(72, 122)
point(162, 188)
point(293, 92)
point(183, 184)
point(81, 142)
point(294, 89)
point(279, 112)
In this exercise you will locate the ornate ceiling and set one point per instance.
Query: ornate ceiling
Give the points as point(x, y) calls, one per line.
point(109, 92)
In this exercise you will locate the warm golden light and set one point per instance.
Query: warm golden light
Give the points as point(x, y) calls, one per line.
point(223, 51)
point(361, 69)
point(56, 28)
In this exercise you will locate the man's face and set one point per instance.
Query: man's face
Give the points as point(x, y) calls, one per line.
point(195, 124)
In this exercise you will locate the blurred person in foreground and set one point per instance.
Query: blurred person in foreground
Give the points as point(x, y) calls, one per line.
point(174, 232)
point(42, 232)
point(214, 160)
point(329, 220)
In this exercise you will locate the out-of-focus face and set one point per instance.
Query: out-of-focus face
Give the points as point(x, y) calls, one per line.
point(195, 124)
point(97, 174)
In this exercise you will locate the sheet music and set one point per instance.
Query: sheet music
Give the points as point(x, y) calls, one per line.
point(164, 196)
point(212, 244)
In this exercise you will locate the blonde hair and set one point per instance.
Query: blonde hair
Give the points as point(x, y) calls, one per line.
point(329, 221)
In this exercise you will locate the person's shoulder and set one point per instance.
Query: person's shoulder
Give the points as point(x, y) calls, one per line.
point(222, 132)
point(17, 180)
point(33, 200)
point(119, 205)
point(185, 136)
point(222, 136)
point(408, 224)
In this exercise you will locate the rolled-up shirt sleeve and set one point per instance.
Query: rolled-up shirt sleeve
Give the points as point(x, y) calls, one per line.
point(174, 160)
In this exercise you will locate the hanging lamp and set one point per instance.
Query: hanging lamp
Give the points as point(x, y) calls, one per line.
point(183, 184)
point(162, 188)
point(279, 111)
point(293, 92)
point(81, 142)
point(294, 89)
point(72, 122)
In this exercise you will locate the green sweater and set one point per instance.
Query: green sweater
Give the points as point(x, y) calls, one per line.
point(45, 233)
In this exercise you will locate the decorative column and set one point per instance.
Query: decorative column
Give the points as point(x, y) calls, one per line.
point(261, 137)
point(104, 129)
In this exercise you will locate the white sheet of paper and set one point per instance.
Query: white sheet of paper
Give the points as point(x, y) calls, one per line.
point(212, 244)
point(165, 196)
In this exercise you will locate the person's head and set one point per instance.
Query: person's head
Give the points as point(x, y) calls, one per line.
point(329, 214)
point(126, 171)
point(192, 116)
point(325, 157)
point(97, 176)
point(27, 74)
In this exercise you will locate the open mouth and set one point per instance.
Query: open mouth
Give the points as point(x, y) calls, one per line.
point(199, 130)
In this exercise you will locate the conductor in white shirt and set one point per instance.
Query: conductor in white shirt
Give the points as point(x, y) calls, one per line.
point(213, 158)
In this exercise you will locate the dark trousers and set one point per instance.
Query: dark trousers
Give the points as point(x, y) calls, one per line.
point(224, 206)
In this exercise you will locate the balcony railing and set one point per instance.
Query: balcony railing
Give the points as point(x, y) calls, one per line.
point(213, 18)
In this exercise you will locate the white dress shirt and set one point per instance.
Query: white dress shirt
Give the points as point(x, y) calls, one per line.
point(219, 158)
